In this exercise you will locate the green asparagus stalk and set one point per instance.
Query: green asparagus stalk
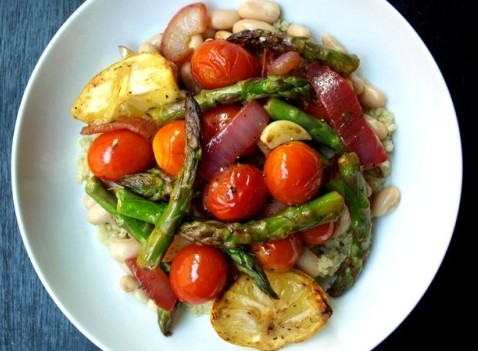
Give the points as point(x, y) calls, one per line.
point(317, 128)
point(352, 185)
point(138, 229)
point(340, 62)
point(135, 206)
point(153, 250)
point(154, 184)
point(166, 319)
point(293, 219)
point(251, 89)
point(248, 264)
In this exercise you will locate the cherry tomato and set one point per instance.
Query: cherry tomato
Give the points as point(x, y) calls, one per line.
point(278, 255)
point(236, 193)
point(117, 153)
point(169, 144)
point(198, 273)
point(318, 235)
point(218, 63)
point(293, 173)
point(155, 283)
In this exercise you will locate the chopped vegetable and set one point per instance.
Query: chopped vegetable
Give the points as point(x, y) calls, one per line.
point(246, 316)
point(127, 88)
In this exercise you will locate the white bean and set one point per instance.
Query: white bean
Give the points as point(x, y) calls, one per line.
point(156, 40)
point(195, 41)
point(372, 97)
point(357, 83)
point(151, 305)
point(385, 201)
point(148, 47)
point(141, 296)
point(309, 262)
point(129, 283)
point(88, 201)
point(122, 249)
point(332, 43)
point(298, 30)
point(262, 10)
point(222, 35)
point(378, 128)
point(97, 215)
point(223, 19)
point(188, 79)
point(252, 24)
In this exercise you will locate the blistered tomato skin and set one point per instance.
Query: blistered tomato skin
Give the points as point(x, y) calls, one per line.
point(169, 146)
point(293, 173)
point(218, 63)
point(115, 154)
point(279, 255)
point(236, 193)
point(198, 273)
point(318, 235)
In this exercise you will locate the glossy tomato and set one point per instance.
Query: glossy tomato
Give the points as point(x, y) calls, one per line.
point(198, 273)
point(293, 173)
point(319, 234)
point(169, 144)
point(278, 255)
point(117, 153)
point(236, 193)
point(218, 63)
point(155, 283)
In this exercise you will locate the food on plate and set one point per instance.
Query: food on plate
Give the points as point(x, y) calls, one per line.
point(236, 165)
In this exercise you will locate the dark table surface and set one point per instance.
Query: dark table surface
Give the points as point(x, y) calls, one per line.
point(29, 319)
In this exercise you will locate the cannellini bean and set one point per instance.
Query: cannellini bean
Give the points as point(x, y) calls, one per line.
point(262, 10)
point(122, 249)
point(129, 283)
point(88, 201)
point(140, 295)
point(385, 201)
point(156, 40)
point(308, 262)
point(222, 35)
point(188, 79)
point(372, 97)
point(298, 30)
point(252, 24)
point(97, 215)
point(332, 43)
point(357, 83)
point(196, 40)
point(151, 305)
point(148, 47)
point(378, 128)
point(223, 19)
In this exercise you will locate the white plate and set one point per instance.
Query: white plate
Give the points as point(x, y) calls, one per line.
point(82, 279)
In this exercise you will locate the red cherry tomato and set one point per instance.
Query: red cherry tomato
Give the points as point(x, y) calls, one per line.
point(278, 255)
point(155, 283)
point(293, 173)
point(218, 63)
point(198, 273)
point(318, 235)
point(236, 193)
point(169, 144)
point(117, 153)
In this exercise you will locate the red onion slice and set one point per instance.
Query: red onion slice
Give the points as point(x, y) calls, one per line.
point(228, 144)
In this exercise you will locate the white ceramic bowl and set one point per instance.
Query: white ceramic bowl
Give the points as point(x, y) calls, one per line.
point(78, 272)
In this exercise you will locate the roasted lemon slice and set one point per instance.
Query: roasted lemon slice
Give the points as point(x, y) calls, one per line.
point(245, 316)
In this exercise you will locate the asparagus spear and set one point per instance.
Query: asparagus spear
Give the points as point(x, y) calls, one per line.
point(293, 219)
point(340, 62)
point(154, 184)
point(138, 229)
point(248, 264)
point(135, 206)
point(317, 128)
point(352, 185)
point(155, 247)
point(246, 90)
